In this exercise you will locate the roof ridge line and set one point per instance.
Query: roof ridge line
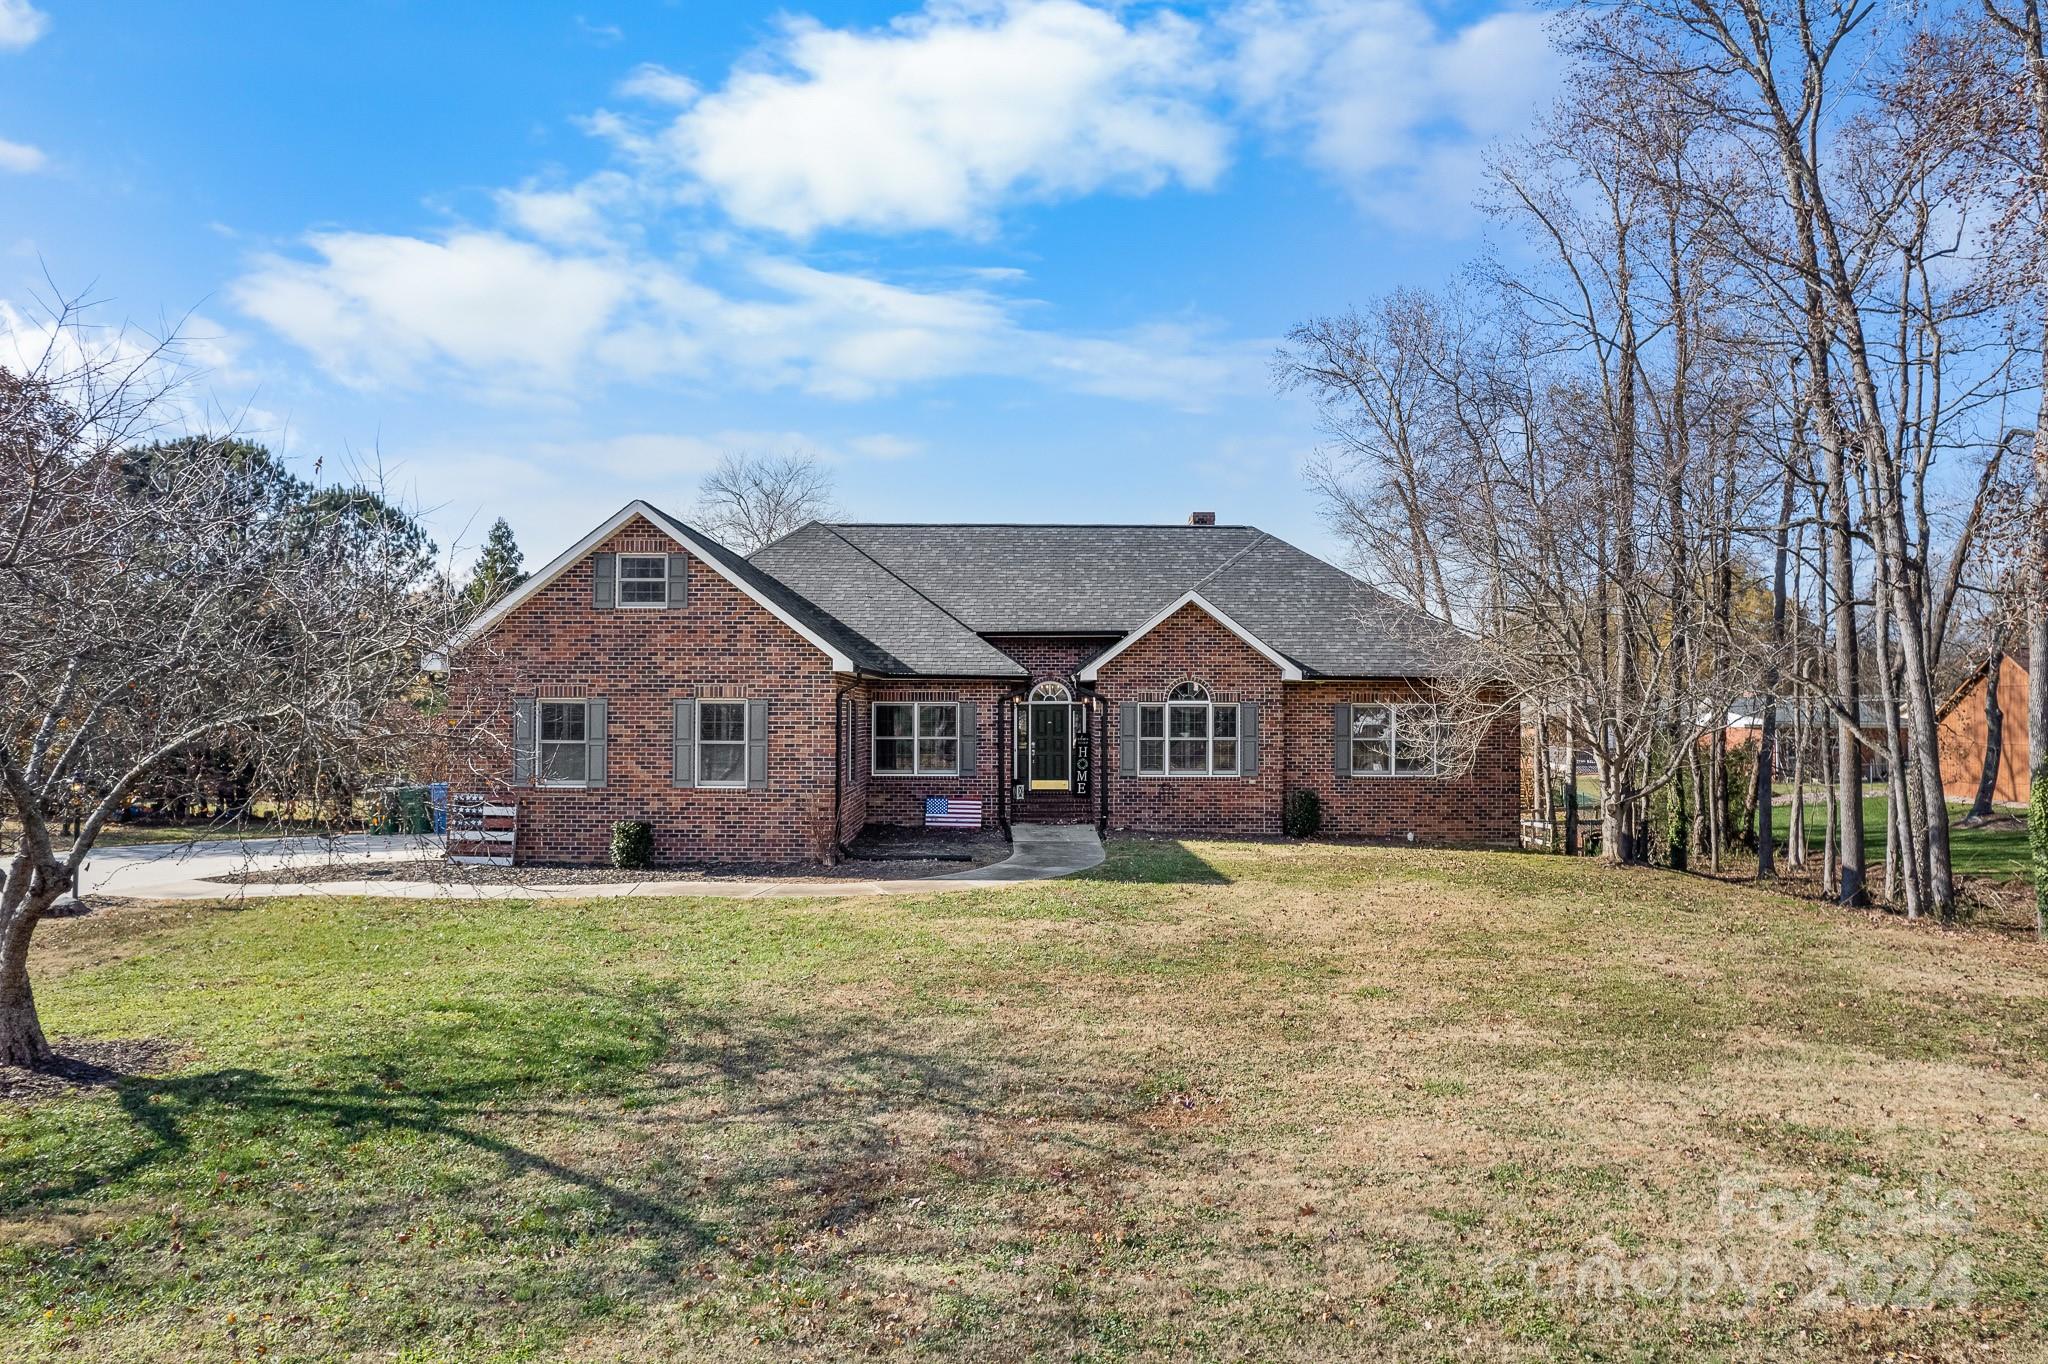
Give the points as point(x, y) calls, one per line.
point(1258, 539)
point(1038, 525)
point(900, 578)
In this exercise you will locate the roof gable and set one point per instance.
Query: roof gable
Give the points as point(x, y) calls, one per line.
point(1290, 671)
point(776, 599)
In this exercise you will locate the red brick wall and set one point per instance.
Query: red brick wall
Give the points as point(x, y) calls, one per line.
point(639, 661)
point(1479, 805)
point(900, 800)
point(1052, 657)
point(1191, 646)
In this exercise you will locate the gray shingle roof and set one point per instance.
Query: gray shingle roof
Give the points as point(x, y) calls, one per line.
point(904, 625)
point(865, 653)
point(921, 596)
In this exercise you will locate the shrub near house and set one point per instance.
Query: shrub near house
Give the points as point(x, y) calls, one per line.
point(1173, 678)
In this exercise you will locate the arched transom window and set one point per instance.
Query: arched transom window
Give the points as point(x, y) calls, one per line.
point(1187, 735)
point(1051, 691)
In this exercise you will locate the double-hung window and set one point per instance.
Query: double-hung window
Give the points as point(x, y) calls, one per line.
point(643, 580)
point(1398, 740)
point(564, 742)
point(721, 743)
point(1187, 735)
point(916, 738)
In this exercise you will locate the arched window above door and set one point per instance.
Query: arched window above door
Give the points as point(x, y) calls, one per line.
point(1051, 691)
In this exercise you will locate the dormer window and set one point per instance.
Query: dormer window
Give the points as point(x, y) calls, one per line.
point(643, 580)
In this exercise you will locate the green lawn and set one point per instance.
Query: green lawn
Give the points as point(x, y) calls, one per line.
point(1216, 1101)
point(1993, 851)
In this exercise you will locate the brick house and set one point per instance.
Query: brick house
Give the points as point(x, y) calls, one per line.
point(1168, 678)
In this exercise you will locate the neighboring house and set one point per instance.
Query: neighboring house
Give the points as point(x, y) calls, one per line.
point(1966, 732)
point(1177, 679)
point(1745, 727)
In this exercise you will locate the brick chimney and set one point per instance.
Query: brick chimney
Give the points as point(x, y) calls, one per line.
point(1201, 518)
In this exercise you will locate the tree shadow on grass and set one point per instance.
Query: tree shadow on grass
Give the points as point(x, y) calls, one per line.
point(809, 1119)
point(1154, 861)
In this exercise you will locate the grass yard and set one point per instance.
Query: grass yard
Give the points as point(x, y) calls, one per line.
point(1999, 849)
point(1216, 1101)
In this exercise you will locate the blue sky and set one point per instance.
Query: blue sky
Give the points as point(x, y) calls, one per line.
point(998, 261)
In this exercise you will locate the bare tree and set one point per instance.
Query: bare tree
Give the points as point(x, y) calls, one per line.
point(2007, 106)
point(151, 603)
point(751, 500)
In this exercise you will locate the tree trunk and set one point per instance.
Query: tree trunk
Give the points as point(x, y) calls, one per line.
point(21, 1032)
point(1766, 752)
point(1994, 730)
point(1795, 823)
point(1848, 792)
point(2037, 568)
point(1571, 802)
point(1830, 861)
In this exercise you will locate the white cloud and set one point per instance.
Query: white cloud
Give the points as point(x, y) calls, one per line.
point(938, 119)
point(657, 84)
point(883, 446)
point(518, 319)
point(586, 214)
point(20, 24)
point(948, 114)
point(389, 309)
point(21, 158)
point(1386, 98)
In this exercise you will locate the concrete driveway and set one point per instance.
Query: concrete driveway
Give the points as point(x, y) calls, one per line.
point(179, 871)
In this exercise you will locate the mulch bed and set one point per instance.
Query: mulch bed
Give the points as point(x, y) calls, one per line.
point(82, 1065)
point(898, 862)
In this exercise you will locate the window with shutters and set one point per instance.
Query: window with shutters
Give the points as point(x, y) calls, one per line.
point(916, 738)
point(564, 743)
point(1394, 740)
point(722, 743)
point(643, 580)
point(1188, 735)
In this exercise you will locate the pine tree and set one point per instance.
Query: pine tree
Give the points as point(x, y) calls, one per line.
point(498, 568)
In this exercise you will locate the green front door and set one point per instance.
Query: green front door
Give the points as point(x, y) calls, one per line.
point(1052, 745)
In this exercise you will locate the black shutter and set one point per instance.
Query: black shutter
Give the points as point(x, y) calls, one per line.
point(1340, 729)
point(969, 740)
point(1127, 739)
point(603, 591)
point(757, 745)
point(1248, 738)
point(678, 580)
point(525, 740)
point(683, 757)
point(596, 720)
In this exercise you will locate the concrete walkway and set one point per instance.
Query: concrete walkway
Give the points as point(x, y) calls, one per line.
point(1040, 852)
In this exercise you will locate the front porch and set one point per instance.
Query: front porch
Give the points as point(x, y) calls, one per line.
point(1049, 755)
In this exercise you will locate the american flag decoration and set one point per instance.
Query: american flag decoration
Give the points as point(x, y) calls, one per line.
point(941, 813)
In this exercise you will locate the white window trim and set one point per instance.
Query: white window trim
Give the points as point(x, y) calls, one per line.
point(1166, 741)
point(1394, 710)
point(746, 740)
point(619, 584)
point(540, 745)
point(916, 737)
